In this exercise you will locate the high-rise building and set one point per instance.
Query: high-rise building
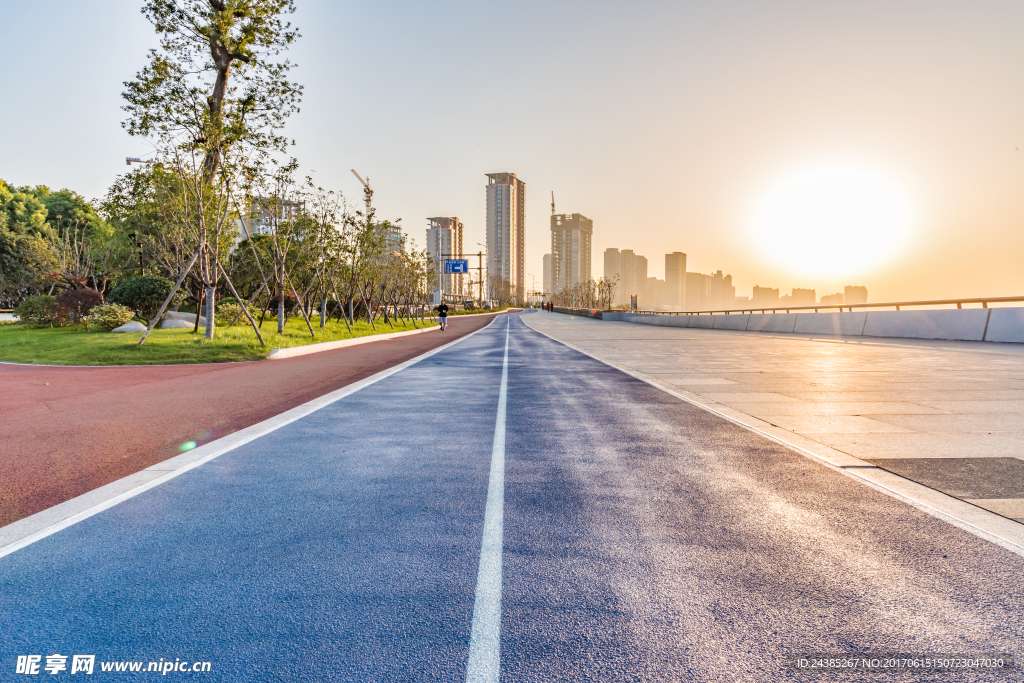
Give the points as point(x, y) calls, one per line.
point(804, 297)
point(654, 294)
point(444, 241)
point(548, 279)
point(506, 230)
point(855, 295)
point(721, 292)
point(764, 297)
point(698, 292)
point(832, 299)
point(612, 270)
point(633, 274)
point(675, 280)
point(570, 249)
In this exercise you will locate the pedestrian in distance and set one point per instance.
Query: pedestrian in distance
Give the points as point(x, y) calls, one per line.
point(442, 314)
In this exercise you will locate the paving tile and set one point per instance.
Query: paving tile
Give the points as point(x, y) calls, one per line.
point(741, 397)
point(1007, 507)
point(912, 396)
point(920, 445)
point(872, 408)
point(962, 477)
point(988, 423)
point(833, 424)
point(696, 381)
point(979, 407)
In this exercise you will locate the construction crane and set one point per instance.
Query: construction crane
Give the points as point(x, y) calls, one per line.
point(129, 160)
point(552, 202)
point(367, 192)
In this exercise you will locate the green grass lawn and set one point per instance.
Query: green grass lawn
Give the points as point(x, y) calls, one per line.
point(75, 346)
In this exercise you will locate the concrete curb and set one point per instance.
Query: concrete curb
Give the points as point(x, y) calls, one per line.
point(293, 351)
point(35, 527)
point(989, 526)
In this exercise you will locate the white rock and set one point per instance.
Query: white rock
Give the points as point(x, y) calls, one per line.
point(188, 317)
point(177, 325)
point(130, 327)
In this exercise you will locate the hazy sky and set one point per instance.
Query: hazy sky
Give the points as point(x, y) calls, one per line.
point(664, 122)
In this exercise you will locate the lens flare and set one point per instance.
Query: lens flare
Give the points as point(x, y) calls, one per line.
point(187, 446)
point(833, 221)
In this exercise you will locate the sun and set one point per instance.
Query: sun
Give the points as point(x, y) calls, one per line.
point(831, 220)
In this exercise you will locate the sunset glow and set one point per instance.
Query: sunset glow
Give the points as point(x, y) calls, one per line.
point(831, 220)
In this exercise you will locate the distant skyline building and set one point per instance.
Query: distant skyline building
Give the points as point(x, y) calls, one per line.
point(444, 241)
point(675, 281)
point(613, 268)
point(548, 279)
point(764, 297)
point(654, 293)
point(632, 271)
point(832, 299)
point(571, 236)
point(506, 230)
point(698, 292)
point(722, 292)
point(799, 297)
point(855, 295)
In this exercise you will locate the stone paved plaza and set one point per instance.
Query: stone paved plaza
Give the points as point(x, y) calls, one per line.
point(949, 415)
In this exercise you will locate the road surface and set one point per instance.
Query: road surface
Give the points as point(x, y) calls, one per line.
point(69, 430)
point(509, 503)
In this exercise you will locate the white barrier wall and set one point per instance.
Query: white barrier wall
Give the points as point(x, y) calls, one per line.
point(959, 324)
point(772, 322)
point(661, 320)
point(968, 324)
point(1005, 325)
point(830, 323)
point(731, 322)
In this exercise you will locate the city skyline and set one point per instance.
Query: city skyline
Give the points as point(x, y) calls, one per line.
point(930, 108)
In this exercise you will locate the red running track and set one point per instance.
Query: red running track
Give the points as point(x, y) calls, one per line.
point(68, 430)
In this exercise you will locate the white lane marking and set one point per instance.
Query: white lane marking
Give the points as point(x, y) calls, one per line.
point(485, 639)
point(203, 455)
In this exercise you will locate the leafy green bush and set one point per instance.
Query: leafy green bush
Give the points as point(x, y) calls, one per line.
point(145, 294)
point(43, 311)
point(108, 316)
point(229, 307)
point(226, 312)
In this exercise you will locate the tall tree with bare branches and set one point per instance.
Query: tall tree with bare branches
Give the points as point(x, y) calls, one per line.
point(213, 99)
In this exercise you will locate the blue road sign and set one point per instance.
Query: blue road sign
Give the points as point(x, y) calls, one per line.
point(456, 266)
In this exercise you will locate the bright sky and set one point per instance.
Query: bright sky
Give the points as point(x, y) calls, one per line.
point(671, 124)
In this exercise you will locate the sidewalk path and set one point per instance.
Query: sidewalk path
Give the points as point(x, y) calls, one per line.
point(949, 415)
point(69, 430)
point(639, 538)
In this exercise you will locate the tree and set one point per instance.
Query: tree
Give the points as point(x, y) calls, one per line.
point(214, 98)
point(25, 255)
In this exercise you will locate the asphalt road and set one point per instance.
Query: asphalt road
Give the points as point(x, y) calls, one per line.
point(641, 538)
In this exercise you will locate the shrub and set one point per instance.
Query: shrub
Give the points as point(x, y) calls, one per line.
point(79, 302)
point(145, 294)
point(42, 311)
point(226, 312)
point(108, 316)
